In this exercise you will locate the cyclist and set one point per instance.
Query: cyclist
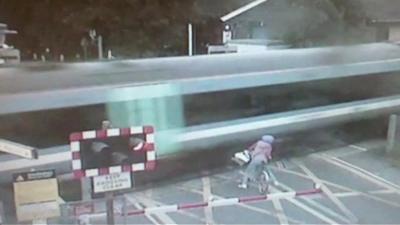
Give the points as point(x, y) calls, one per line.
point(260, 153)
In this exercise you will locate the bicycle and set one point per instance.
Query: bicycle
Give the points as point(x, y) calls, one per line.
point(263, 179)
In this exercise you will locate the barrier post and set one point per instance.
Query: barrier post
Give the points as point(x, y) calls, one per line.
point(391, 136)
point(124, 209)
point(2, 214)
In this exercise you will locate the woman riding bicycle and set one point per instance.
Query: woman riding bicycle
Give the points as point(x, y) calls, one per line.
point(260, 154)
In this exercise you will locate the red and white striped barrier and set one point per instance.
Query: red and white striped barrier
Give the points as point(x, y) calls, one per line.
point(223, 202)
point(148, 146)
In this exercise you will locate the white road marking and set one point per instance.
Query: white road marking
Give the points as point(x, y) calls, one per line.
point(249, 207)
point(310, 210)
point(364, 194)
point(383, 192)
point(305, 207)
point(358, 148)
point(163, 217)
point(328, 192)
point(207, 195)
point(280, 212)
point(359, 172)
point(185, 213)
point(154, 221)
point(395, 186)
point(317, 205)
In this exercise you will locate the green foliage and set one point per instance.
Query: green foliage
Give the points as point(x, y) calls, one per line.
point(137, 28)
point(130, 27)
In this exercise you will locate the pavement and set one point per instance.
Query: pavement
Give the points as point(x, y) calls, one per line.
point(359, 184)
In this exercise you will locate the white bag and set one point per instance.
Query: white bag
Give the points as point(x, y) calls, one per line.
point(242, 158)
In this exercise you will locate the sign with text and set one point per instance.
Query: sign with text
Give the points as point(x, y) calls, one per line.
point(112, 182)
point(37, 175)
point(36, 195)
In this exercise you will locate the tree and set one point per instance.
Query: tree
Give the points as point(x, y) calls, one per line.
point(140, 28)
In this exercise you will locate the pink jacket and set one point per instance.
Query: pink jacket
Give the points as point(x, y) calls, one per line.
point(261, 150)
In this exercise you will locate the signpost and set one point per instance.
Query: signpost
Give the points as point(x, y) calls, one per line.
point(36, 195)
point(18, 149)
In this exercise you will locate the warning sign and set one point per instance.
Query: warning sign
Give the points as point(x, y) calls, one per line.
point(37, 175)
point(36, 195)
point(112, 151)
point(112, 182)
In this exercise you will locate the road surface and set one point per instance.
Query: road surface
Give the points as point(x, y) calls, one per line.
point(359, 184)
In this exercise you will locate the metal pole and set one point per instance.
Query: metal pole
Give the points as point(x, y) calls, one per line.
point(190, 39)
point(110, 208)
point(124, 209)
point(391, 136)
point(100, 47)
point(85, 53)
point(86, 188)
point(2, 217)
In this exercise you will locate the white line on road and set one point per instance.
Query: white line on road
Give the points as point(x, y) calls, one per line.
point(305, 207)
point(383, 192)
point(154, 221)
point(327, 192)
point(310, 210)
point(207, 195)
point(358, 148)
point(353, 194)
point(360, 172)
point(163, 217)
point(185, 213)
point(320, 207)
point(280, 212)
point(246, 206)
point(364, 194)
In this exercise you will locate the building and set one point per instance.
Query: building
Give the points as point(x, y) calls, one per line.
point(259, 25)
point(272, 19)
point(386, 30)
point(8, 54)
point(384, 17)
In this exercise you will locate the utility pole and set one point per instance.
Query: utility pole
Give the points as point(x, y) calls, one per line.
point(100, 47)
point(84, 45)
point(190, 39)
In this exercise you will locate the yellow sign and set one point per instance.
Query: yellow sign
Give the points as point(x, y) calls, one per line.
point(35, 199)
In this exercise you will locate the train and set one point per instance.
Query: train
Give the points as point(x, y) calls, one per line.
point(41, 104)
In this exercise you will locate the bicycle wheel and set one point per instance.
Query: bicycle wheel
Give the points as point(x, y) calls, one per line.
point(263, 185)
